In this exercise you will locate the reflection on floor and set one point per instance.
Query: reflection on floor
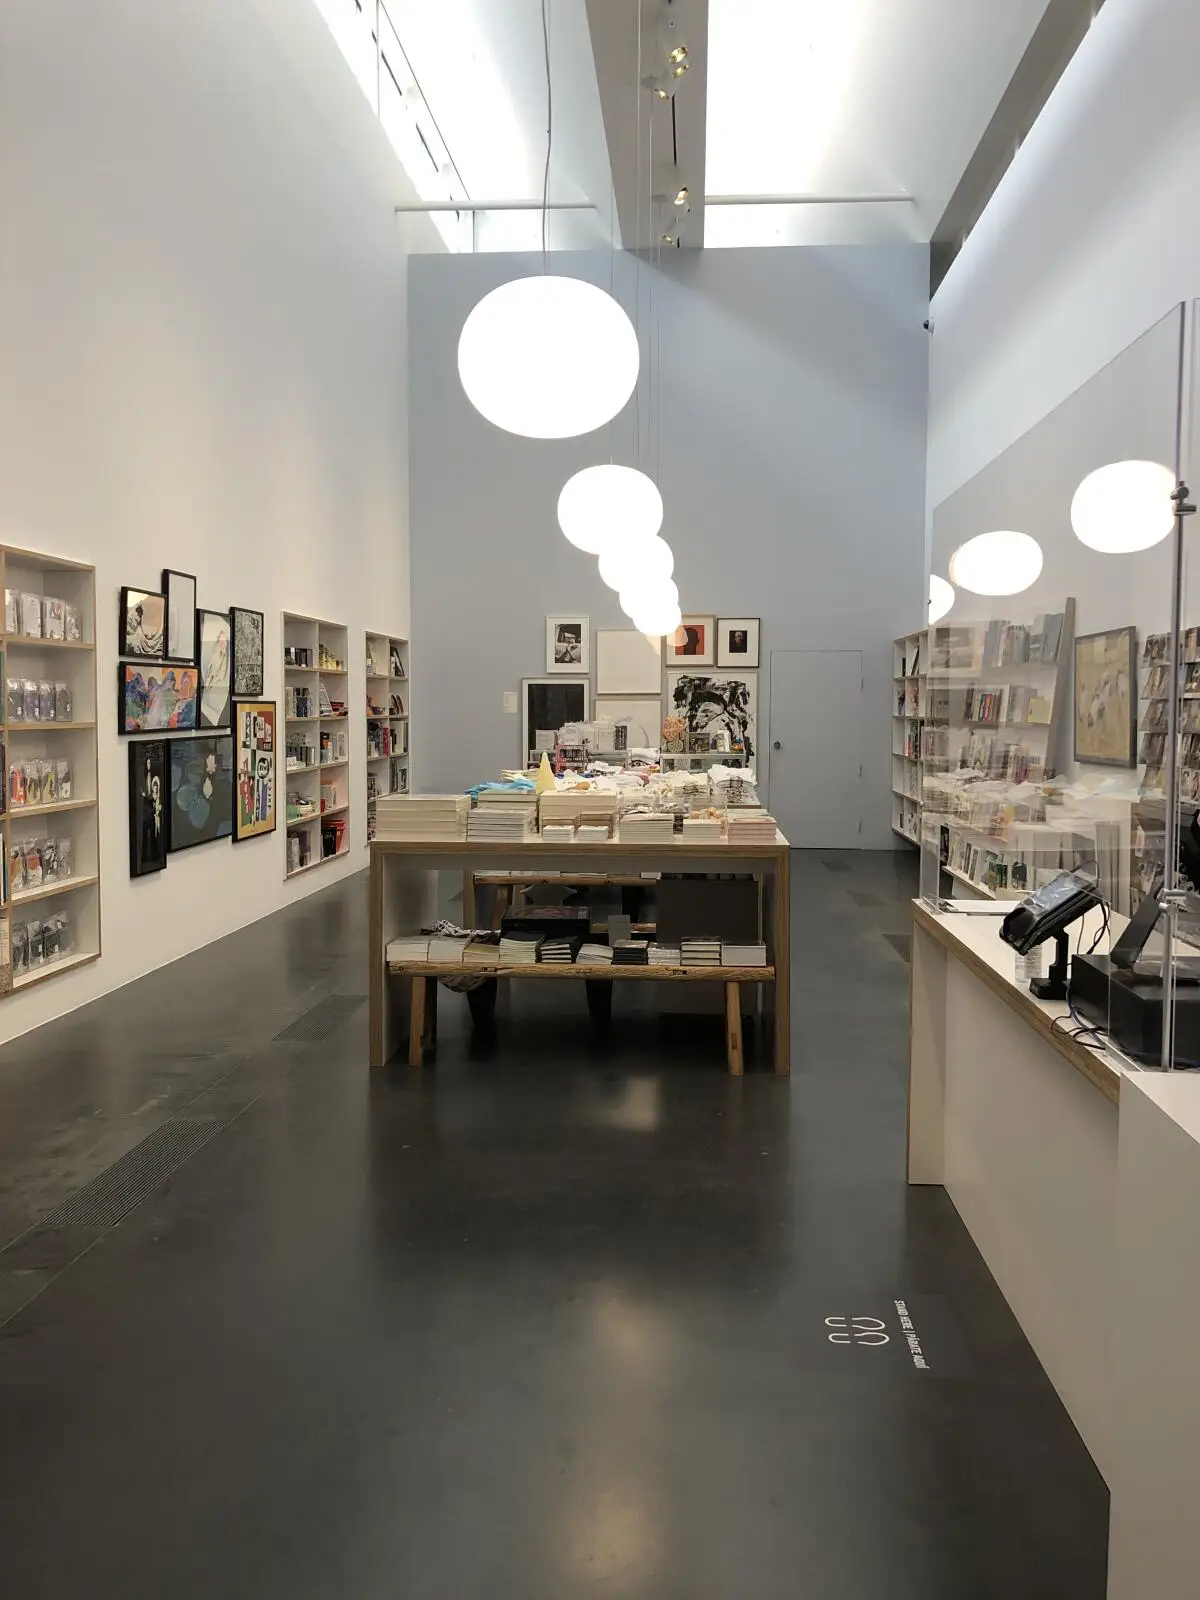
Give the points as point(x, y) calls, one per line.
point(546, 1320)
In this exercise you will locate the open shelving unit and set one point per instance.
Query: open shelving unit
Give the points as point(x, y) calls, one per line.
point(316, 721)
point(387, 705)
point(909, 655)
point(64, 909)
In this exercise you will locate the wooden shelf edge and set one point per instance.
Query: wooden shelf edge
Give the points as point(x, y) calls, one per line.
point(50, 890)
point(602, 972)
point(53, 969)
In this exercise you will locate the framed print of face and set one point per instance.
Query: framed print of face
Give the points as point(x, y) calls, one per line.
point(546, 703)
point(716, 704)
point(568, 645)
point(254, 761)
point(692, 644)
point(247, 635)
point(149, 789)
point(180, 591)
point(214, 659)
point(152, 699)
point(142, 624)
point(201, 791)
point(737, 642)
point(1106, 698)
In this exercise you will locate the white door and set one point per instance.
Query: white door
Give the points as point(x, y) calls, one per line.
point(816, 747)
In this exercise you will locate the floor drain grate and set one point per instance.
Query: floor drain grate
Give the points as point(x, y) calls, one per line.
point(901, 943)
point(836, 866)
point(864, 898)
point(325, 1018)
point(114, 1193)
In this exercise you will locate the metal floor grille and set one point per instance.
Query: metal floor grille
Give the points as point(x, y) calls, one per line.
point(114, 1193)
point(836, 866)
point(901, 943)
point(326, 1017)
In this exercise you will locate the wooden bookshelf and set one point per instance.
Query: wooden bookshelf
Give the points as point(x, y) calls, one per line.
point(316, 721)
point(386, 711)
point(909, 655)
point(63, 911)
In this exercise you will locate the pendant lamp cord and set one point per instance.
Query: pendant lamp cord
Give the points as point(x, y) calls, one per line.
point(549, 130)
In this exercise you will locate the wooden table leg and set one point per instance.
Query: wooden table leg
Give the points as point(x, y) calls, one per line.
point(431, 1014)
point(482, 1003)
point(416, 1023)
point(733, 1030)
point(468, 899)
point(781, 955)
point(599, 999)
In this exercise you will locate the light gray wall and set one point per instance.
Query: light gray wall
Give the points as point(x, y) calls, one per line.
point(782, 412)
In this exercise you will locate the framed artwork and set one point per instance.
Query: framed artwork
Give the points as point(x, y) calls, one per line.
point(692, 644)
point(737, 642)
point(627, 662)
point(568, 645)
point(180, 591)
point(149, 786)
point(1106, 698)
point(142, 624)
point(546, 703)
point(155, 699)
point(247, 637)
point(213, 657)
point(719, 708)
point(254, 759)
point(201, 808)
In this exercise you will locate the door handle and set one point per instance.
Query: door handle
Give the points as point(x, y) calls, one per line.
point(777, 745)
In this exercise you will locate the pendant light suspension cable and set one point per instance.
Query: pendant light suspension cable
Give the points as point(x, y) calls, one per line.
point(549, 129)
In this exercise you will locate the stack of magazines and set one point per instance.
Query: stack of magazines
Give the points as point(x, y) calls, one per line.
point(561, 952)
point(700, 952)
point(751, 827)
point(630, 953)
point(594, 955)
point(743, 955)
point(519, 949)
point(502, 817)
point(647, 827)
point(408, 947)
point(482, 951)
point(422, 817)
point(665, 955)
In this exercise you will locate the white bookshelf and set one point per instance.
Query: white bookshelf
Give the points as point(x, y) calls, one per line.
point(387, 709)
point(316, 744)
point(908, 720)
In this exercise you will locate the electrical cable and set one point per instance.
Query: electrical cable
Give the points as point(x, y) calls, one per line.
point(549, 131)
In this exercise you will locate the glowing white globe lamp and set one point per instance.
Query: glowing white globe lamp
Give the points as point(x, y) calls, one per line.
point(609, 505)
point(548, 357)
point(1123, 507)
point(640, 596)
point(636, 564)
point(656, 615)
point(941, 598)
point(1003, 562)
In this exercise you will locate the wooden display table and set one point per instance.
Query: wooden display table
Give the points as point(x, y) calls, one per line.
point(404, 898)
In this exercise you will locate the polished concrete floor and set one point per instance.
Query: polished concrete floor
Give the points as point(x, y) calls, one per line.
point(546, 1320)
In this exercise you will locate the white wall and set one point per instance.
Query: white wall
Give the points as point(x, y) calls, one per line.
point(782, 412)
point(1091, 237)
point(202, 288)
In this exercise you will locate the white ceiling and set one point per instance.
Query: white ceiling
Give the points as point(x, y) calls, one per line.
point(837, 96)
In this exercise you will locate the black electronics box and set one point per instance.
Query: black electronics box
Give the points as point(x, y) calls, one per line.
point(1128, 1003)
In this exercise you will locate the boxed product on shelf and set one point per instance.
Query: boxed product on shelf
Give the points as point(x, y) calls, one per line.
point(39, 782)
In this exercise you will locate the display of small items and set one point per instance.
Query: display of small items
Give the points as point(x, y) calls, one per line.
point(298, 704)
point(39, 781)
point(38, 616)
point(30, 700)
point(41, 941)
point(297, 655)
point(328, 661)
point(299, 752)
point(34, 863)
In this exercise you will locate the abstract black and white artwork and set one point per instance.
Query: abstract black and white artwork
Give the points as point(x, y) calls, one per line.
point(567, 645)
point(713, 704)
point(247, 652)
point(149, 786)
point(143, 623)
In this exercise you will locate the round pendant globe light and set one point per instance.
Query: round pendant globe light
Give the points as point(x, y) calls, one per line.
point(1123, 507)
point(1003, 562)
point(638, 597)
point(609, 505)
point(941, 598)
point(548, 357)
point(657, 615)
point(636, 564)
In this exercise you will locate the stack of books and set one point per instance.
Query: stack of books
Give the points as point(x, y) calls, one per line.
point(702, 825)
point(519, 949)
point(482, 951)
point(502, 820)
point(743, 955)
point(593, 833)
point(558, 832)
point(599, 806)
point(630, 953)
point(700, 952)
point(560, 952)
point(409, 947)
point(665, 955)
point(594, 955)
point(751, 829)
point(647, 827)
point(448, 951)
point(422, 817)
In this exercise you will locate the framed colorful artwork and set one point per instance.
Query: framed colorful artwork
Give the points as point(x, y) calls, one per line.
point(737, 642)
point(180, 591)
point(142, 624)
point(692, 644)
point(201, 791)
point(254, 748)
point(155, 699)
point(247, 635)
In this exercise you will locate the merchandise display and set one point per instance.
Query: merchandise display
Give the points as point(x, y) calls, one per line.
point(387, 721)
point(316, 739)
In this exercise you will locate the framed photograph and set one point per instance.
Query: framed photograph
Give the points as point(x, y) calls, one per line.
point(627, 662)
point(1106, 698)
point(149, 786)
point(247, 637)
point(155, 699)
point(546, 703)
point(213, 657)
point(737, 642)
point(201, 807)
point(692, 644)
point(142, 624)
point(716, 706)
point(180, 591)
point(254, 759)
point(568, 646)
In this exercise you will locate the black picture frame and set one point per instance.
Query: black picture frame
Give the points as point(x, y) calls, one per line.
point(149, 836)
point(1104, 730)
point(171, 581)
point(557, 700)
point(135, 637)
point(207, 658)
point(247, 644)
point(181, 718)
point(187, 763)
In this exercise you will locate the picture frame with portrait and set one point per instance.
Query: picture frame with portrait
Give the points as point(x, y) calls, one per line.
point(737, 642)
point(691, 645)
